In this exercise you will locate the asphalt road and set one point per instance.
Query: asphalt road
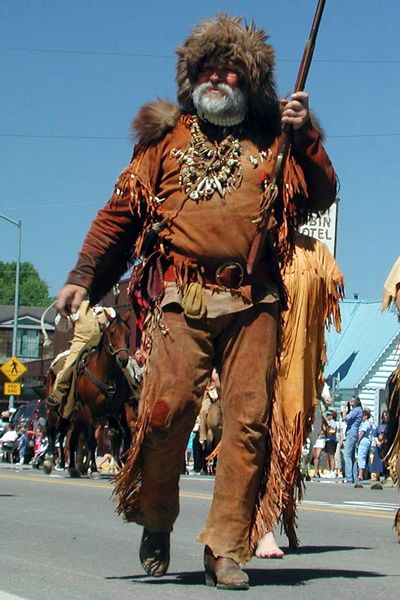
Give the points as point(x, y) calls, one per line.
point(60, 538)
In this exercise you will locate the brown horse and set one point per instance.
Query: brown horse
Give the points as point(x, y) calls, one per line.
point(101, 391)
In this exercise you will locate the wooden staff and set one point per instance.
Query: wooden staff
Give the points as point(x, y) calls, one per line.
point(258, 243)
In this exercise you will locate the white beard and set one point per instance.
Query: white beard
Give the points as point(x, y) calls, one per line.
point(226, 110)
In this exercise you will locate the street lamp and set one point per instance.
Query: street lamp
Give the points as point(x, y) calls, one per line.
point(16, 297)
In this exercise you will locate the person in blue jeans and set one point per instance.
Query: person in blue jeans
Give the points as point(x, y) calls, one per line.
point(353, 421)
point(364, 444)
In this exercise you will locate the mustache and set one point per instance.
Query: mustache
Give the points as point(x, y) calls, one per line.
point(222, 87)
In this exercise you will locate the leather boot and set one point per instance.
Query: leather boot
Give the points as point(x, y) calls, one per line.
point(52, 402)
point(154, 552)
point(223, 572)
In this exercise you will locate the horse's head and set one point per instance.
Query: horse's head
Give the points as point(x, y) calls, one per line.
point(116, 338)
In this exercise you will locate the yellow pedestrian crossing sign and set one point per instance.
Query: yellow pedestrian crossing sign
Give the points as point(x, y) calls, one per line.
point(12, 389)
point(13, 369)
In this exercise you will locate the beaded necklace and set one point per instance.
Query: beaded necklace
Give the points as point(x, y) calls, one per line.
point(209, 167)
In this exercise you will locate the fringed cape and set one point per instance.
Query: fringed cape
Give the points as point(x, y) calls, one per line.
point(314, 286)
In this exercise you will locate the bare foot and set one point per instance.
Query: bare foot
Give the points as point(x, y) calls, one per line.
point(268, 548)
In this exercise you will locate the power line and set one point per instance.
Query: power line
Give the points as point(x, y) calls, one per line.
point(170, 56)
point(363, 135)
point(65, 137)
point(88, 52)
point(70, 205)
point(127, 138)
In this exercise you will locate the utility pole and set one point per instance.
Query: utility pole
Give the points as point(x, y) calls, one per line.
point(18, 224)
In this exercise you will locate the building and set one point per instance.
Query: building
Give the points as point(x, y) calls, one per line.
point(362, 357)
point(30, 348)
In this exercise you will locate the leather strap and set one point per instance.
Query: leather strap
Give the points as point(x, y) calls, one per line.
point(225, 275)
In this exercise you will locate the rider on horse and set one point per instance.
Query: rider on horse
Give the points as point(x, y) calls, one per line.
point(89, 323)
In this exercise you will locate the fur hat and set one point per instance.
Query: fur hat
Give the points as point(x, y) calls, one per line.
point(224, 40)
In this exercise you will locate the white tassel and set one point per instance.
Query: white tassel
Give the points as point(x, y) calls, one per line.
point(47, 340)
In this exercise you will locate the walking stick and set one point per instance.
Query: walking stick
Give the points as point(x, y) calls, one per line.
point(259, 241)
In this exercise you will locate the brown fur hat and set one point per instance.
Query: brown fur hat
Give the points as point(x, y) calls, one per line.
point(223, 40)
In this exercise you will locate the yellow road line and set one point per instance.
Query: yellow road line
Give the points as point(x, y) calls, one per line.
point(198, 496)
point(53, 480)
point(345, 511)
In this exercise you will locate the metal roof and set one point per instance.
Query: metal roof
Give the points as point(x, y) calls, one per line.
point(366, 333)
point(7, 313)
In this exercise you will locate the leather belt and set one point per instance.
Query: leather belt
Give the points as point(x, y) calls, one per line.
point(230, 275)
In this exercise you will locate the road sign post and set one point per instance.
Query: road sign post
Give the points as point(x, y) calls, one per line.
point(13, 369)
point(18, 224)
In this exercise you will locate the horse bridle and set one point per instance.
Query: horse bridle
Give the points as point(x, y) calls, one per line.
point(110, 389)
point(111, 350)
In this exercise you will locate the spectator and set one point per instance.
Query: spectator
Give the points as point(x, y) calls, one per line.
point(37, 441)
point(319, 445)
point(138, 365)
point(330, 443)
point(377, 466)
point(5, 420)
point(8, 442)
point(340, 437)
point(199, 465)
point(22, 446)
point(305, 460)
point(189, 450)
point(353, 422)
point(364, 443)
point(38, 421)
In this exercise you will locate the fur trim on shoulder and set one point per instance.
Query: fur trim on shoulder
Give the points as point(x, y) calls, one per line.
point(154, 120)
point(317, 125)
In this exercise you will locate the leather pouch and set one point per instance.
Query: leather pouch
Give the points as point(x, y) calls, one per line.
point(153, 279)
point(193, 302)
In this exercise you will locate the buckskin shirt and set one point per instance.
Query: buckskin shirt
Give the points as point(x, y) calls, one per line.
point(201, 235)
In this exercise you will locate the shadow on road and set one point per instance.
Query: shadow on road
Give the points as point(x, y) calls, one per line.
point(321, 549)
point(258, 577)
point(302, 576)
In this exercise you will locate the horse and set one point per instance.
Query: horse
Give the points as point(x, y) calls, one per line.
point(101, 391)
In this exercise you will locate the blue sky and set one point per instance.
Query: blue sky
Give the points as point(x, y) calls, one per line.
point(74, 74)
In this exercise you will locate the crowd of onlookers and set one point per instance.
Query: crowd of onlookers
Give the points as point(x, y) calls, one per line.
point(350, 445)
point(24, 445)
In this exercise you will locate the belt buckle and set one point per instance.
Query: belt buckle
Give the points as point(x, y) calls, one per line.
point(230, 275)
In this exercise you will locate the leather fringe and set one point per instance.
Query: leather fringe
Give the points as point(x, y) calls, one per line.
point(293, 214)
point(392, 457)
point(143, 203)
point(282, 485)
point(277, 498)
point(128, 481)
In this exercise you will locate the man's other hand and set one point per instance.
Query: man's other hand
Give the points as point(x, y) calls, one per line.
point(295, 111)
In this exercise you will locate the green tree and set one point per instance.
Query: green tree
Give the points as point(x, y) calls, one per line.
point(33, 290)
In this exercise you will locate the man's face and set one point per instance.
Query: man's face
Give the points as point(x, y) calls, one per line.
point(217, 94)
point(215, 75)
